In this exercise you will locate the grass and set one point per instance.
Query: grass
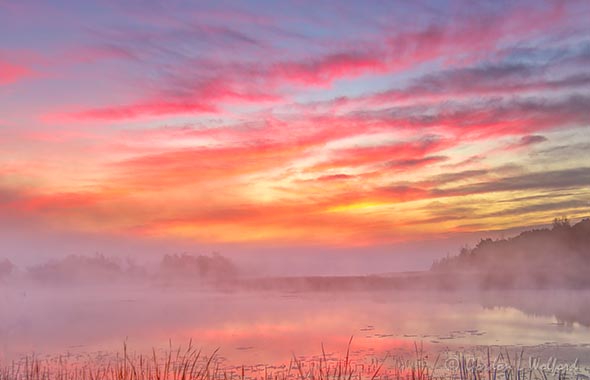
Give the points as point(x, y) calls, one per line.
point(191, 364)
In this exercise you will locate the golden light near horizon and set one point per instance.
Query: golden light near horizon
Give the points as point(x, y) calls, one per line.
point(359, 133)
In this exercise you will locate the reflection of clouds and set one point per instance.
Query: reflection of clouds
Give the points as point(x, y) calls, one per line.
point(269, 325)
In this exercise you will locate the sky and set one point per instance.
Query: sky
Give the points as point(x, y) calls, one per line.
point(274, 125)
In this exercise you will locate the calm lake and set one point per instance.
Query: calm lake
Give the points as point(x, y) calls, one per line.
point(269, 327)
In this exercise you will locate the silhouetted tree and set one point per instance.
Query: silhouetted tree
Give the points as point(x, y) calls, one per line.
point(199, 267)
point(559, 256)
point(77, 269)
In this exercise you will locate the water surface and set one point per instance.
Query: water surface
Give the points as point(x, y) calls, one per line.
point(268, 327)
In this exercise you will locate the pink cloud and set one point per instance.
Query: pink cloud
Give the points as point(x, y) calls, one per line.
point(398, 155)
point(189, 85)
point(11, 73)
point(114, 113)
point(204, 98)
point(329, 68)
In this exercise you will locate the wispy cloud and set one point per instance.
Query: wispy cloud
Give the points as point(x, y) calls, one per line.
point(278, 124)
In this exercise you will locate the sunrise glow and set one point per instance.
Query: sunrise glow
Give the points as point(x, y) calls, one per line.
point(335, 124)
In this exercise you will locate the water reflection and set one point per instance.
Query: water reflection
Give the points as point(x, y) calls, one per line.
point(567, 307)
point(254, 327)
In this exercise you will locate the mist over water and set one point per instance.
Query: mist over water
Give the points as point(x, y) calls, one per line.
point(252, 327)
point(482, 297)
point(88, 310)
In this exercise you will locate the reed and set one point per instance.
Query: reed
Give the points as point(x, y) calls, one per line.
point(190, 363)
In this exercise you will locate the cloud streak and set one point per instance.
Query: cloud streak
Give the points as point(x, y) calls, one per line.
point(267, 126)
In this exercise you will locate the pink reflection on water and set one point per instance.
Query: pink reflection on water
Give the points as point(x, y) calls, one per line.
point(254, 328)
